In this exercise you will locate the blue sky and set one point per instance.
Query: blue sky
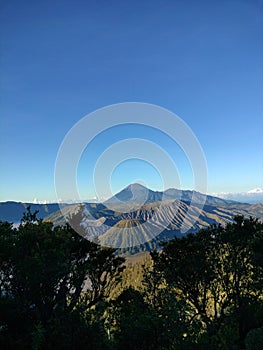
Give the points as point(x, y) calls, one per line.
point(61, 60)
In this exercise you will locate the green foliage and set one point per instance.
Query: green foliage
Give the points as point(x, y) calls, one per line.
point(61, 291)
point(218, 274)
point(44, 273)
point(254, 339)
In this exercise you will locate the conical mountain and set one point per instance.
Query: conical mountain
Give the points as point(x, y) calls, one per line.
point(139, 194)
point(135, 193)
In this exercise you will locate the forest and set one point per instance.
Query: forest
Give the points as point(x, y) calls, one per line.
point(61, 291)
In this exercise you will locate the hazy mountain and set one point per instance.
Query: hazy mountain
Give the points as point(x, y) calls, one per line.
point(136, 193)
point(252, 196)
point(13, 211)
point(137, 216)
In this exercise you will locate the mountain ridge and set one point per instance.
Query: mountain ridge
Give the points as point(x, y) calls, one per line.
point(138, 217)
point(137, 193)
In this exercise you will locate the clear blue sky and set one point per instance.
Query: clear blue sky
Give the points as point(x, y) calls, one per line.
point(61, 60)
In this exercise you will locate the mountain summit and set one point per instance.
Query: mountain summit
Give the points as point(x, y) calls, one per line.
point(135, 193)
point(138, 194)
point(138, 217)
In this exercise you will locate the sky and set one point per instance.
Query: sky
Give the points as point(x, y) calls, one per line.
point(61, 60)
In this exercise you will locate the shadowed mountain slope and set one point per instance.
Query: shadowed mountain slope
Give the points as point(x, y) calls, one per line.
point(153, 221)
point(13, 211)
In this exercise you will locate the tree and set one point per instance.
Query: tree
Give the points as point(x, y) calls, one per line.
point(219, 273)
point(50, 277)
point(132, 322)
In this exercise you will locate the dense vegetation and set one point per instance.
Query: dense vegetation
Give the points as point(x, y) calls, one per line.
point(60, 291)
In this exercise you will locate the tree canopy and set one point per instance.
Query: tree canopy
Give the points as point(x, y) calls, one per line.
point(61, 291)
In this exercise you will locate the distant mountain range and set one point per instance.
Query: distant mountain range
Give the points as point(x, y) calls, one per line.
point(252, 196)
point(138, 218)
point(13, 211)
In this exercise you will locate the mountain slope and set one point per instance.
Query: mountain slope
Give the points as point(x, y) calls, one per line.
point(136, 215)
point(162, 221)
point(152, 221)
